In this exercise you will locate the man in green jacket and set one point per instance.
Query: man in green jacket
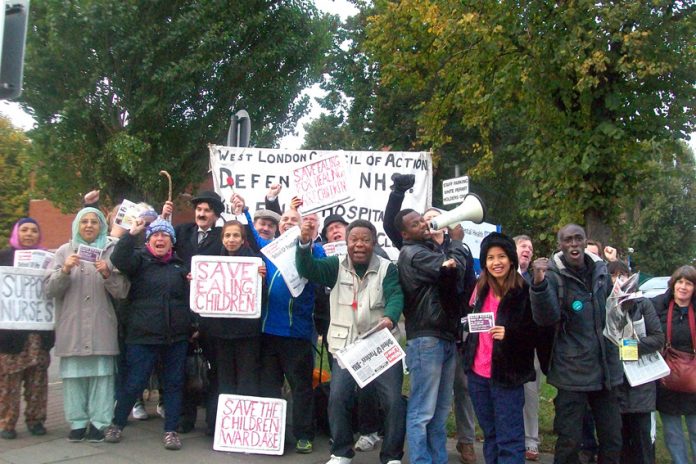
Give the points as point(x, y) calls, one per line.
point(365, 293)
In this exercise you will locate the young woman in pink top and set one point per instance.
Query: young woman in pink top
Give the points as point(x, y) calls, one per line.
point(499, 362)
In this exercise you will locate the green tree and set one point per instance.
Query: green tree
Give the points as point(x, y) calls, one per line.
point(14, 182)
point(123, 89)
point(592, 88)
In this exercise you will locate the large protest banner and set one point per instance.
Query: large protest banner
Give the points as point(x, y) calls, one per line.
point(226, 286)
point(253, 170)
point(23, 305)
point(250, 424)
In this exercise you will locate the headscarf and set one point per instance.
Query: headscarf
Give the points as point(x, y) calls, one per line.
point(100, 241)
point(14, 237)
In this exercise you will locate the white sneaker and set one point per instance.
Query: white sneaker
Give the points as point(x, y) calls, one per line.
point(394, 461)
point(160, 409)
point(367, 442)
point(139, 411)
point(338, 460)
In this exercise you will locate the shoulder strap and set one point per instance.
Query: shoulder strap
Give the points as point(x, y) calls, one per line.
point(670, 307)
point(692, 326)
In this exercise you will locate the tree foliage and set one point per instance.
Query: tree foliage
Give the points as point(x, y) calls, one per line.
point(123, 89)
point(593, 89)
point(14, 182)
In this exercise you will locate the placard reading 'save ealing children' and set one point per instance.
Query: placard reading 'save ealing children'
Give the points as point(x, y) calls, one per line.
point(226, 286)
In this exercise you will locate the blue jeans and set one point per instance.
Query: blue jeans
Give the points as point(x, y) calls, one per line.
point(674, 436)
point(342, 398)
point(500, 414)
point(140, 360)
point(431, 362)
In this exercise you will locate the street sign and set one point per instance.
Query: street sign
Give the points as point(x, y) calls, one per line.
point(454, 190)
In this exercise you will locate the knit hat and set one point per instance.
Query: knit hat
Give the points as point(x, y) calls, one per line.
point(496, 239)
point(213, 200)
point(160, 225)
point(330, 220)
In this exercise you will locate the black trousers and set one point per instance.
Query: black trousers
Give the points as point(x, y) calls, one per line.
point(638, 447)
point(291, 358)
point(570, 408)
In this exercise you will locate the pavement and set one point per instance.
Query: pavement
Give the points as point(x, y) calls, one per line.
point(142, 443)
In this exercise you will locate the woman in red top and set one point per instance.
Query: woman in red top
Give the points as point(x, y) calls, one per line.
point(500, 361)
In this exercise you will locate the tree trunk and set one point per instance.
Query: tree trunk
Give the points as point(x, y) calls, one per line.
point(596, 228)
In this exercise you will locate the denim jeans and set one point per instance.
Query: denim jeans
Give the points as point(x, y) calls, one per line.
point(342, 398)
point(140, 361)
point(674, 436)
point(463, 409)
point(499, 413)
point(431, 362)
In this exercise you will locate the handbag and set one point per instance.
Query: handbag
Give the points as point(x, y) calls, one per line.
point(682, 365)
point(196, 370)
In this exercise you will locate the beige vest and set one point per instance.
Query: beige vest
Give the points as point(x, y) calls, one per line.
point(347, 322)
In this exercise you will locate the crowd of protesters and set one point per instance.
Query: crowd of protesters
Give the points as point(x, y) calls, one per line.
point(126, 317)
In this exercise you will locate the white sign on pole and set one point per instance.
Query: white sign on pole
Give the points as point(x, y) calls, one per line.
point(23, 304)
point(253, 170)
point(250, 424)
point(281, 252)
point(323, 184)
point(226, 286)
point(367, 358)
point(454, 190)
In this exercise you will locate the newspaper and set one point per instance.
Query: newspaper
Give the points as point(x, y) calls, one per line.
point(281, 252)
point(33, 259)
point(369, 357)
point(649, 367)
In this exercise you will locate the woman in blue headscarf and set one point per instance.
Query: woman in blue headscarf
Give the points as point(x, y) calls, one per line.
point(86, 327)
point(24, 357)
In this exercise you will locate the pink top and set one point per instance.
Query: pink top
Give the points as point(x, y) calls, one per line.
point(484, 350)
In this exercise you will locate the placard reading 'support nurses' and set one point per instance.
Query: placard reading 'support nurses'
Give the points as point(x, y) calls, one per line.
point(23, 305)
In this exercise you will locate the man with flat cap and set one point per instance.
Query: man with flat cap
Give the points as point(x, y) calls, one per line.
point(266, 223)
point(200, 237)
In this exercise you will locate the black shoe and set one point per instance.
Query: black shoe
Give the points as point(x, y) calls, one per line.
point(77, 435)
point(8, 434)
point(95, 435)
point(402, 182)
point(185, 427)
point(37, 429)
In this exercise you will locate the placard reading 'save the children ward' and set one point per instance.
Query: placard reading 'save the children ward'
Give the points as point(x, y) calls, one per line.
point(250, 424)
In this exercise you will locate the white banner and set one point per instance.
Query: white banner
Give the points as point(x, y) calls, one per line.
point(281, 251)
point(250, 424)
point(254, 170)
point(367, 358)
point(23, 305)
point(226, 286)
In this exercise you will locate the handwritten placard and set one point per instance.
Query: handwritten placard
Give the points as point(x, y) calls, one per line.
point(23, 305)
point(281, 252)
point(323, 183)
point(33, 259)
point(480, 322)
point(226, 286)
point(367, 358)
point(250, 424)
point(336, 248)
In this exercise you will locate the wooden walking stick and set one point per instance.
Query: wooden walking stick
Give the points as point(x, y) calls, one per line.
point(169, 178)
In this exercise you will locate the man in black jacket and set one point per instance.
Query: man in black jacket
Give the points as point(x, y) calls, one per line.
point(570, 292)
point(429, 278)
point(201, 237)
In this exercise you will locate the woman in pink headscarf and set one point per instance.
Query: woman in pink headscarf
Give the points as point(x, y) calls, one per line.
point(24, 357)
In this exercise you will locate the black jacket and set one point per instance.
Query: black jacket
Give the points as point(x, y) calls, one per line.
point(433, 304)
point(642, 397)
point(230, 327)
point(582, 359)
point(157, 311)
point(669, 401)
point(13, 341)
point(513, 357)
point(187, 245)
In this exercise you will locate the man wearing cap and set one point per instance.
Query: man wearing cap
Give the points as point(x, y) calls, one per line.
point(266, 223)
point(201, 237)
